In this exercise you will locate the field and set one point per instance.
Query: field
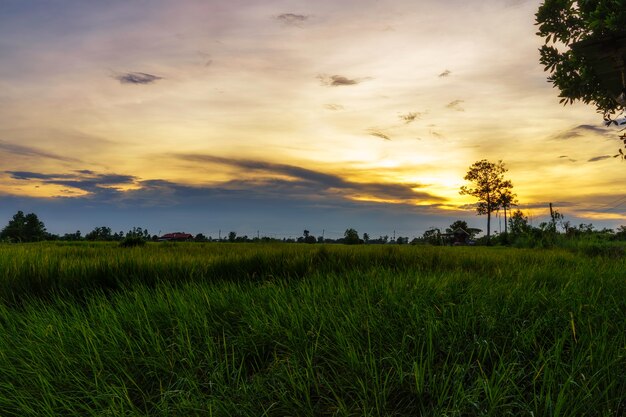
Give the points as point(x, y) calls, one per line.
point(305, 330)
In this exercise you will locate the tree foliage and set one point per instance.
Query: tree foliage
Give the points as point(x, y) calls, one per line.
point(488, 187)
point(351, 237)
point(102, 233)
point(24, 228)
point(565, 22)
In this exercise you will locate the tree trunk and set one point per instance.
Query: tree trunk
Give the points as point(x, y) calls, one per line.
point(488, 225)
point(505, 228)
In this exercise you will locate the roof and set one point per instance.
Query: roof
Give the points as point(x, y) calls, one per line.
point(176, 235)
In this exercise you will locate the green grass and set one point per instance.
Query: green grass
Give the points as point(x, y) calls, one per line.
point(299, 330)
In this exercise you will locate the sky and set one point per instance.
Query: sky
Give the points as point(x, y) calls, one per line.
point(275, 116)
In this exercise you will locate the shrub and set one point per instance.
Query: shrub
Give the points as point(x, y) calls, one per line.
point(132, 241)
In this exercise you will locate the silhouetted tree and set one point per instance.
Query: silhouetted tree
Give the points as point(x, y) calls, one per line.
point(100, 233)
point(307, 238)
point(433, 236)
point(488, 185)
point(232, 236)
point(200, 238)
point(506, 199)
point(458, 224)
point(565, 22)
point(366, 237)
point(138, 232)
point(351, 237)
point(24, 228)
point(519, 223)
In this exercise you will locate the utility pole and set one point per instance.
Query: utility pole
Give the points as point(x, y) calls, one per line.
point(219, 235)
point(551, 213)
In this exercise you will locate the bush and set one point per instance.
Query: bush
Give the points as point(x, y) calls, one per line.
point(132, 241)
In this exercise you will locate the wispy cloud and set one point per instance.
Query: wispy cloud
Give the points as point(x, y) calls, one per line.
point(314, 184)
point(582, 130)
point(84, 180)
point(444, 74)
point(137, 78)
point(206, 58)
point(599, 158)
point(455, 105)
point(410, 117)
point(333, 107)
point(292, 19)
point(339, 80)
point(567, 157)
point(33, 152)
point(378, 133)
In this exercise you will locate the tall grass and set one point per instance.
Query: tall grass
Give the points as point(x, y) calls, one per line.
point(295, 330)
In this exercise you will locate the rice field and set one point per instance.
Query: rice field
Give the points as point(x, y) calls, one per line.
point(310, 330)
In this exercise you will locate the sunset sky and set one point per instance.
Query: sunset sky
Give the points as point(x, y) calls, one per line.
point(280, 115)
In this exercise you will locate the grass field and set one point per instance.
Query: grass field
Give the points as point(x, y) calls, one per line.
point(299, 330)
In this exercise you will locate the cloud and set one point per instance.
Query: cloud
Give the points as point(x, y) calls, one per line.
point(378, 133)
point(137, 78)
point(292, 19)
point(567, 157)
point(30, 151)
point(339, 80)
point(599, 158)
point(272, 195)
point(444, 74)
point(410, 117)
point(455, 105)
point(206, 58)
point(333, 107)
point(307, 183)
point(582, 130)
point(84, 180)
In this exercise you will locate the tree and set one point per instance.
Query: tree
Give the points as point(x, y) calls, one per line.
point(351, 237)
point(366, 238)
point(307, 238)
point(24, 228)
point(100, 233)
point(433, 236)
point(489, 184)
point(519, 223)
point(506, 199)
point(200, 237)
point(565, 22)
point(232, 236)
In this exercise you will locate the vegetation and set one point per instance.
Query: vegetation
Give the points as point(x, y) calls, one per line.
point(489, 187)
point(565, 22)
point(24, 228)
point(275, 330)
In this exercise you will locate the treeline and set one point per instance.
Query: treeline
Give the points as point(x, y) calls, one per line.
point(556, 232)
point(29, 228)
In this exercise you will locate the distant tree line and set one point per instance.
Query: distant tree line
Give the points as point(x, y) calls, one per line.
point(518, 232)
point(29, 228)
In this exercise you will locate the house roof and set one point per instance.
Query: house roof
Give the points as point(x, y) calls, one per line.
point(177, 235)
point(460, 231)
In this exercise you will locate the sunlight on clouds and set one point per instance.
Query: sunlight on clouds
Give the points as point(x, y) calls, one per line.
point(325, 86)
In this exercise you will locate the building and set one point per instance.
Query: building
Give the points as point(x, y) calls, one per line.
point(176, 237)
